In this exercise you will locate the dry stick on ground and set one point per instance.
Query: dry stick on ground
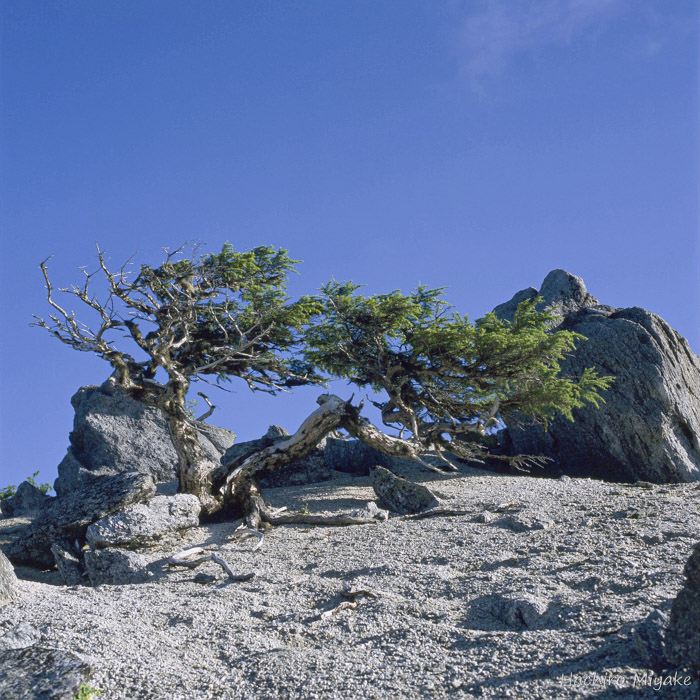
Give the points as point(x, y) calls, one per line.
point(185, 558)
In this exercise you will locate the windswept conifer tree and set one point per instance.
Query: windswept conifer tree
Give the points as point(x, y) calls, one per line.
point(440, 381)
point(198, 317)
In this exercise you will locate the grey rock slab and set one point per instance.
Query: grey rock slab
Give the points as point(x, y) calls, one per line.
point(114, 433)
point(20, 636)
point(69, 565)
point(116, 567)
point(649, 426)
point(683, 632)
point(67, 517)
point(40, 673)
point(400, 495)
point(143, 523)
point(9, 591)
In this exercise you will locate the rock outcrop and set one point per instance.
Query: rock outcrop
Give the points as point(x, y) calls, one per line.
point(649, 427)
point(67, 517)
point(8, 582)
point(27, 499)
point(114, 433)
point(40, 672)
point(144, 523)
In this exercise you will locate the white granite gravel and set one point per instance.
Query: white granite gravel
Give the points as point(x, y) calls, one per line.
point(539, 600)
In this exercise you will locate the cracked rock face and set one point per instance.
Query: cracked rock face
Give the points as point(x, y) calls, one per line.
point(142, 523)
point(114, 433)
point(66, 518)
point(648, 429)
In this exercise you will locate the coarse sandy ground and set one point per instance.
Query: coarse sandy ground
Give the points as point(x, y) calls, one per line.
point(540, 601)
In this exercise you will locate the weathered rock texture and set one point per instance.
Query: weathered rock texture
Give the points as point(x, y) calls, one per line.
point(649, 427)
point(116, 567)
point(8, 582)
point(114, 433)
point(683, 632)
point(39, 672)
point(143, 523)
point(400, 495)
point(67, 517)
point(27, 499)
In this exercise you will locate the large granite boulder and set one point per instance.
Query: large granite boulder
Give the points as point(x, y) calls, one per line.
point(144, 523)
point(8, 582)
point(67, 517)
point(649, 426)
point(683, 631)
point(113, 433)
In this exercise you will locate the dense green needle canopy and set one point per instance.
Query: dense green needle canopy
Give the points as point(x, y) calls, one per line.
point(441, 377)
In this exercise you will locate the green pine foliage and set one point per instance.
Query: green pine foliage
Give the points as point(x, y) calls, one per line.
point(442, 375)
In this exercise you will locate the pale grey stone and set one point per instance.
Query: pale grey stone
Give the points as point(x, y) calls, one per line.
point(8, 582)
point(115, 567)
point(67, 517)
point(114, 433)
point(21, 636)
point(144, 523)
point(400, 495)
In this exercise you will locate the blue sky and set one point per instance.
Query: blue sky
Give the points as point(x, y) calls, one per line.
point(474, 145)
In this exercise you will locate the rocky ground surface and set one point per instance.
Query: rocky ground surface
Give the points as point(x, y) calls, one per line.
point(540, 590)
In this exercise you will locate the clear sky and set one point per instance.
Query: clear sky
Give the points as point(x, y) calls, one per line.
point(474, 145)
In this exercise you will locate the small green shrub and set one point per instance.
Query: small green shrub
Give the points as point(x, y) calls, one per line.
point(85, 692)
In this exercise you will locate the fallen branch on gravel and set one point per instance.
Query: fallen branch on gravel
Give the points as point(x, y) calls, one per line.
point(242, 532)
point(335, 611)
point(187, 558)
point(350, 592)
point(435, 512)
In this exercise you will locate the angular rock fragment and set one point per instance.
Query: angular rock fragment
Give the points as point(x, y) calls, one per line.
point(522, 612)
point(68, 564)
point(21, 636)
point(39, 672)
point(400, 495)
point(143, 523)
point(116, 567)
point(66, 518)
point(27, 499)
point(648, 639)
